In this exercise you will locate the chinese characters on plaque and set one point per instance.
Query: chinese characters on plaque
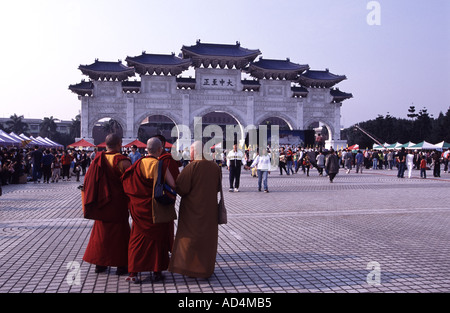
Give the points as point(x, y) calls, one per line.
point(218, 82)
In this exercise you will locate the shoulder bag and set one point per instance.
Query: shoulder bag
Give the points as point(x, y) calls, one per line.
point(163, 192)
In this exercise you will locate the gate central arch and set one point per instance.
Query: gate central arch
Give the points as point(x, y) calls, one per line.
point(277, 88)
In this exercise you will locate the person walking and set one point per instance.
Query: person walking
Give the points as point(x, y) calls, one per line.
point(320, 162)
point(289, 161)
point(401, 159)
point(359, 160)
point(36, 156)
point(234, 164)
point(436, 164)
point(390, 159)
point(332, 165)
point(348, 158)
point(423, 167)
point(56, 169)
point(409, 162)
point(282, 161)
point(306, 164)
point(66, 161)
point(262, 164)
point(195, 247)
point(47, 161)
point(374, 160)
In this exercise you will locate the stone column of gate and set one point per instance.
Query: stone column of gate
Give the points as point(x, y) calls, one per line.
point(84, 127)
point(186, 129)
point(299, 115)
point(130, 134)
point(336, 141)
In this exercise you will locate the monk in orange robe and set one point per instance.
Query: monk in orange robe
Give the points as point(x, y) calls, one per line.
point(106, 202)
point(195, 247)
point(150, 240)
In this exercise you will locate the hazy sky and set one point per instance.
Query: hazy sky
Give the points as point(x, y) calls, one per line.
point(403, 61)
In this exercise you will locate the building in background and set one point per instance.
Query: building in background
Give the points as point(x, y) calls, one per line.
point(231, 86)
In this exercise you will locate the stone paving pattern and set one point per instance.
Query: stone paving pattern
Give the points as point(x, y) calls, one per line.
point(306, 235)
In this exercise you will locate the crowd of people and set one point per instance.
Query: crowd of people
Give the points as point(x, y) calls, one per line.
point(290, 159)
point(19, 166)
point(48, 165)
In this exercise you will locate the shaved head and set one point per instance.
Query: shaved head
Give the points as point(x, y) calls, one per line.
point(113, 141)
point(197, 150)
point(154, 146)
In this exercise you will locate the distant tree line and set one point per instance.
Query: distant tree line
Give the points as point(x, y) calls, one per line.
point(417, 127)
point(47, 128)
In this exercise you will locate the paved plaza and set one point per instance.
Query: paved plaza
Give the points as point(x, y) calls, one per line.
point(370, 232)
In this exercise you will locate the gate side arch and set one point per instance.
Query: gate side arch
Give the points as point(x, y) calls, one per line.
point(284, 117)
point(236, 115)
point(93, 119)
point(138, 118)
point(327, 124)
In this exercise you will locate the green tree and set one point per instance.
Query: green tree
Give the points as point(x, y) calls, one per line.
point(423, 126)
point(16, 125)
point(48, 127)
point(75, 128)
point(412, 112)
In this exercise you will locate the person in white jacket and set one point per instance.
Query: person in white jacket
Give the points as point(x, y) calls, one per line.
point(409, 162)
point(262, 164)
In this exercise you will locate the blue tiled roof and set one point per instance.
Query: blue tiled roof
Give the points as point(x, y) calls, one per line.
point(320, 79)
point(106, 67)
point(210, 49)
point(83, 88)
point(339, 95)
point(322, 75)
point(82, 85)
point(157, 59)
point(279, 65)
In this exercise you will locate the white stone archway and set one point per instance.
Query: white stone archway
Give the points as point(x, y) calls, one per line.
point(279, 88)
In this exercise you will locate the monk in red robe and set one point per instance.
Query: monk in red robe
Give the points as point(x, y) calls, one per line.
point(106, 202)
point(150, 240)
point(174, 169)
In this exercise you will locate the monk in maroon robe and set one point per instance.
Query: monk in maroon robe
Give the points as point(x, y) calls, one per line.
point(174, 169)
point(150, 240)
point(106, 202)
